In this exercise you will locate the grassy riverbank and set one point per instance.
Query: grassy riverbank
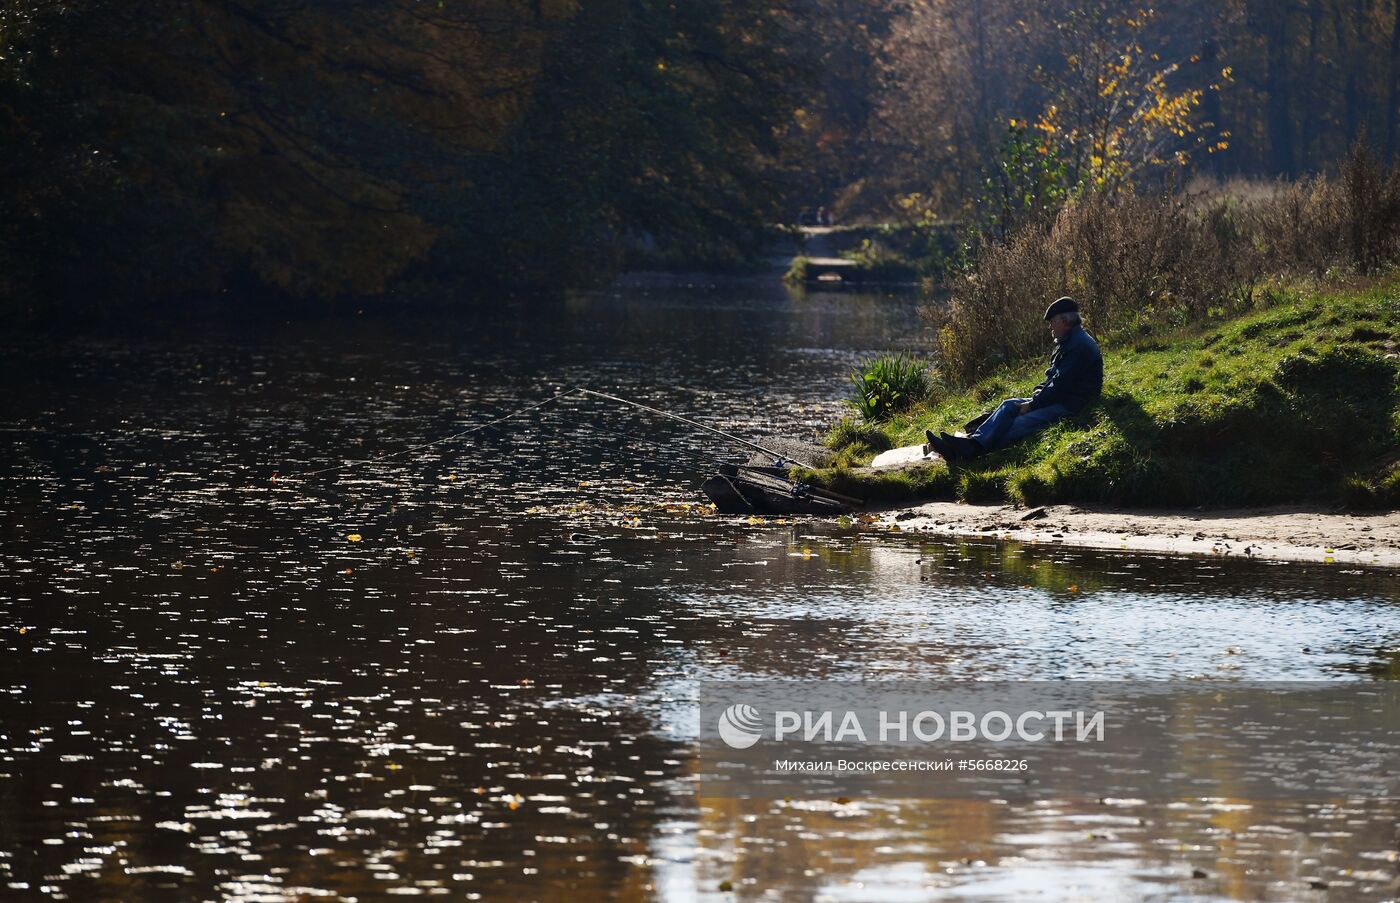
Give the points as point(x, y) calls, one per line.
point(1296, 402)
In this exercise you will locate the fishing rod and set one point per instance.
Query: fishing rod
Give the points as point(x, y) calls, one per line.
point(821, 493)
point(405, 451)
point(656, 449)
point(778, 457)
point(631, 442)
point(686, 420)
point(576, 390)
point(708, 457)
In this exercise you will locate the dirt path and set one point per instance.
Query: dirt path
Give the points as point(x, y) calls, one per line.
point(1296, 534)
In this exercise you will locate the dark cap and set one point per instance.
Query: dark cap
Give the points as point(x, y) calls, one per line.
point(1063, 305)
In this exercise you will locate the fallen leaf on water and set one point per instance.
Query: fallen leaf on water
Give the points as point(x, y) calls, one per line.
point(354, 537)
point(1074, 587)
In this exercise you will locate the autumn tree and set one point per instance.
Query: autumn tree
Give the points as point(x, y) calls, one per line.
point(831, 139)
point(1114, 111)
point(1232, 87)
point(1314, 75)
point(320, 148)
point(651, 119)
point(955, 72)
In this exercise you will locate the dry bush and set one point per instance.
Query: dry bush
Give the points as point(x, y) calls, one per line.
point(1131, 262)
point(1208, 189)
point(989, 318)
point(1141, 264)
point(1349, 220)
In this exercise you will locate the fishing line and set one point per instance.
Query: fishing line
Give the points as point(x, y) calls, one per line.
point(415, 448)
point(576, 390)
point(575, 438)
point(686, 420)
point(704, 457)
point(707, 457)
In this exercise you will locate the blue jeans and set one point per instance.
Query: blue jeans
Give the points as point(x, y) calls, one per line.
point(1007, 425)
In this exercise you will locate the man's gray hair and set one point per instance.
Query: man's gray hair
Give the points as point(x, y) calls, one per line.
point(1072, 318)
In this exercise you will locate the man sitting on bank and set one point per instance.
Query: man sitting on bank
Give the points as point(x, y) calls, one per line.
point(1075, 379)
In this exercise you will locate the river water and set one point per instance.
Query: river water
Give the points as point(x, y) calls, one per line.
point(470, 670)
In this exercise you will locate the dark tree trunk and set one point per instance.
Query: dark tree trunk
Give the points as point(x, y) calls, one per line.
point(1280, 119)
point(1314, 113)
point(1346, 52)
point(1391, 114)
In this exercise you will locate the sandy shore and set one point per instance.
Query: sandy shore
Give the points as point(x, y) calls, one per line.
point(1296, 534)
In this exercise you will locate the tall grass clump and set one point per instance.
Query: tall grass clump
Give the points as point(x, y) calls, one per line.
point(890, 384)
point(1143, 264)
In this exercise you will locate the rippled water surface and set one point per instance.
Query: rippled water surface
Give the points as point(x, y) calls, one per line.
point(469, 670)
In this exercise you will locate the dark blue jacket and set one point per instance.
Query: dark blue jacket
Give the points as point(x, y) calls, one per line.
point(1075, 377)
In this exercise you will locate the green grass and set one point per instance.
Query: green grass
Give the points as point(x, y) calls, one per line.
point(797, 272)
point(1298, 402)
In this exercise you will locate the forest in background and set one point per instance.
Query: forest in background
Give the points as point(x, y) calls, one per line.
point(313, 150)
point(1270, 89)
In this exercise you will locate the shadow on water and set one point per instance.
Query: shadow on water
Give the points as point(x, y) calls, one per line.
point(471, 670)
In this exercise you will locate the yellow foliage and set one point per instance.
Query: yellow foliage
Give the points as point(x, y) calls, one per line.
point(1125, 113)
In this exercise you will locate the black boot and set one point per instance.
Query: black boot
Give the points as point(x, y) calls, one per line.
point(963, 446)
point(937, 444)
